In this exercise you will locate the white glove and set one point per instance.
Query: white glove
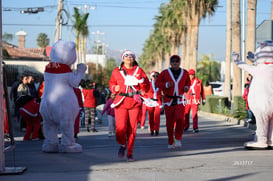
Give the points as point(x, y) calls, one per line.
point(81, 67)
point(131, 80)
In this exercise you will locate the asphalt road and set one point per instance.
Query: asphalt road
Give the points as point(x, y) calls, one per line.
point(215, 153)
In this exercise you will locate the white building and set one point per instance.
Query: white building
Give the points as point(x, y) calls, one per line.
point(96, 59)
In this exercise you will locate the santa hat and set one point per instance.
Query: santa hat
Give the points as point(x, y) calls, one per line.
point(175, 57)
point(191, 72)
point(152, 73)
point(128, 52)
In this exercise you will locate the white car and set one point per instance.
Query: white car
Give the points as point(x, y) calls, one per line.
point(217, 88)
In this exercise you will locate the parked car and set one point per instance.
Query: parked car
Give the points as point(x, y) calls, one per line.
point(217, 88)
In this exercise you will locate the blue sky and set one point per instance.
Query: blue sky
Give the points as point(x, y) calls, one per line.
point(126, 24)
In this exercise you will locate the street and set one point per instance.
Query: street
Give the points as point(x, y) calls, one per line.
point(215, 153)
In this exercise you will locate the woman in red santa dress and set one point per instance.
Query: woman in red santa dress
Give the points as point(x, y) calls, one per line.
point(154, 104)
point(174, 82)
point(128, 82)
point(195, 97)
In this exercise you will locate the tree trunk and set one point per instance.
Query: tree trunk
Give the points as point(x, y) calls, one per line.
point(251, 28)
point(228, 52)
point(188, 44)
point(167, 59)
point(194, 42)
point(183, 49)
point(236, 46)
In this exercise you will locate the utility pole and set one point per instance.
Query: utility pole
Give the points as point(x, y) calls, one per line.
point(58, 34)
point(98, 33)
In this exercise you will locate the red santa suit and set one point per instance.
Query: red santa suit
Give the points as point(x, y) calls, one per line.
point(30, 113)
point(153, 102)
point(78, 93)
point(127, 103)
point(174, 112)
point(194, 96)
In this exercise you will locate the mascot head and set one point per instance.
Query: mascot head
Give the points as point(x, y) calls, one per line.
point(264, 53)
point(63, 52)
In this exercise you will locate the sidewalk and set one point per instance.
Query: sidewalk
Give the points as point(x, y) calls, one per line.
point(215, 153)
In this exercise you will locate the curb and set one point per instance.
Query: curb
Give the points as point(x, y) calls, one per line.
point(229, 119)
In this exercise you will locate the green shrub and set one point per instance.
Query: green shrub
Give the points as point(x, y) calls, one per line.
point(216, 104)
point(239, 105)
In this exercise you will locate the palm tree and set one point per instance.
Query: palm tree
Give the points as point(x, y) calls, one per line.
point(42, 40)
point(236, 46)
point(198, 9)
point(228, 52)
point(7, 37)
point(81, 28)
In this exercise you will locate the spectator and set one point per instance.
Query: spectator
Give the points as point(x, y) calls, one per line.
point(31, 86)
point(23, 90)
point(89, 105)
point(14, 96)
point(250, 116)
point(110, 115)
point(100, 102)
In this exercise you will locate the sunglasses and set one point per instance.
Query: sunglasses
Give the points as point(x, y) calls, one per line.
point(175, 60)
point(128, 55)
point(155, 76)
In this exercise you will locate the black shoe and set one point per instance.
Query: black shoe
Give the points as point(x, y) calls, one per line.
point(195, 131)
point(130, 158)
point(75, 135)
point(152, 133)
point(156, 133)
point(185, 129)
point(121, 151)
point(88, 130)
point(94, 130)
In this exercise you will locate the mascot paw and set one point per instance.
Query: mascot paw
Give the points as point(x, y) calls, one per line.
point(81, 67)
point(253, 145)
point(50, 148)
point(236, 58)
point(250, 56)
point(74, 148)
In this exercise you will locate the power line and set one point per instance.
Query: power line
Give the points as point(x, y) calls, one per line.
point(105, 25)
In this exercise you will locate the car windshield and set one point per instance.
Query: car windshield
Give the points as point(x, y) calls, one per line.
point(215, 85)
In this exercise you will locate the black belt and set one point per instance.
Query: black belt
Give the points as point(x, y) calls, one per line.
point(154, 99)
point(173, 96)
point(129, 94)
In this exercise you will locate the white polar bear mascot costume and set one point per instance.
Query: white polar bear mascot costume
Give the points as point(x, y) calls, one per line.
point(59, 106)
point(260, 97)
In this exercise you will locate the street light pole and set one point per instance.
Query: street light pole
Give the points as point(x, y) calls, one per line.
point(243, 45)
point(98, 33)
point(58, 34)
